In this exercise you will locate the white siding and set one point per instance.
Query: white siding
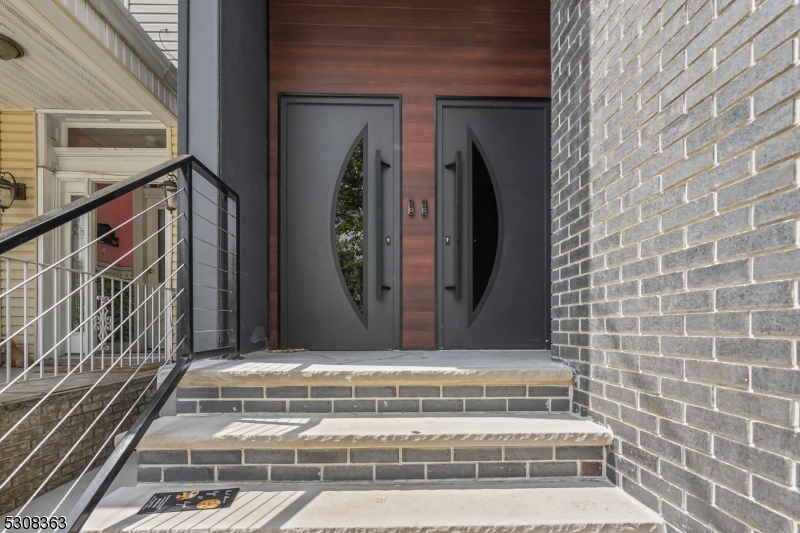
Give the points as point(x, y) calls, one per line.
point(157, 15)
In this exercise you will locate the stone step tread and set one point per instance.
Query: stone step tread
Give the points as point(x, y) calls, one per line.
point(384, 367)
point(229, 431)
point(530, 507)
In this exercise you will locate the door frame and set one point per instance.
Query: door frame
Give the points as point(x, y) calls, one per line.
point(440, 102)
point(284, 99)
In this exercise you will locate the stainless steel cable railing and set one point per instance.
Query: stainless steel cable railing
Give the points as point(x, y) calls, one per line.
point(74, 319)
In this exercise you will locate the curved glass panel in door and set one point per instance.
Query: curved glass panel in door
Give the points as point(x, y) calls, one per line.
point(485, 228)
point(349, 225)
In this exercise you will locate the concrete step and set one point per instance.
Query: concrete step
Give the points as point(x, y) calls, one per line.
point(577, 506)
point(259, 448)
point(407, 381)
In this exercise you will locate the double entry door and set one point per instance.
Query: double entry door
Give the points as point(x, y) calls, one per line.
point(341, 214)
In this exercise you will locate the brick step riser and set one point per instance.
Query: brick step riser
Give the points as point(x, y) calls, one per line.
point(370, 464)
point(374, 399)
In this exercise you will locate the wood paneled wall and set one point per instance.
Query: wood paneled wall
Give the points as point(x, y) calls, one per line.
point(418, 49)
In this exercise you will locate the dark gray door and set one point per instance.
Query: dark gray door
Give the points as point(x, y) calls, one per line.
point(493, 184)
point(340, 181)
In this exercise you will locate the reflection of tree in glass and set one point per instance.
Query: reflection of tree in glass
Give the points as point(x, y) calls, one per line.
point(350, 225)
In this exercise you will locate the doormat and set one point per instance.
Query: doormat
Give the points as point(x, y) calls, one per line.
point(189, 500)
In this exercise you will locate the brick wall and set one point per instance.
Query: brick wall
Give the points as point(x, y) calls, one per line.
point(675, 255)
point(30, 433)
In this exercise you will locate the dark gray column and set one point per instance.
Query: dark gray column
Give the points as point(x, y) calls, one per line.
point(223, 103)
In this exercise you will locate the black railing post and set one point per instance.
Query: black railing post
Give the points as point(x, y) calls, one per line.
point(185, 302)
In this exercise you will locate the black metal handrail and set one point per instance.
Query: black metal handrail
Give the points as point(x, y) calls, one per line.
point(226, 334)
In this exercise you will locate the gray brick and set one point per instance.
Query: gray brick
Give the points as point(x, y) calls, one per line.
point(721, 274)
point(527, 404)
point(426, 455)
point(779, 147)
point(197, 392)
point(718, 373)
point(375, 455)
point(464, 391)
point(693, 346)
point(419, 392)
point(685, 435)
point(287, 392)
point(781, 498)
point(727, 172)
point(666, 490)
point(347, 473)
point(730, 426)
point(637, 269)
point(661, 447)
point(331, 392)
point(664, 283)
point(777, 265)
point(777, 207)
point(778, 380)
point(669, 366)
point(717, 471)
point(556, 469)
point(398, 406)
point(640, 305)
point(376, 392)
point(494, 470)
point(242, 392)
point(665, 242)
point(623, 290)
point(391, 472)
point(661, 324)
point(624, 324)
point(661, 406)
point(216, 457)
point(720, 520)
point(762, 127)
point(752, 513)
point(767, 464)
point(186, 408)
point(719, 226)
point(782, 440)
point(774, 294)
point(686, 391)
point(759, 240)
point(688, 481)
point(623, 360)
point(764, 69)
point(188, 474)
point(776, 351)
point(264, 406)
point(697, 255)
point(295, 473)
point(783, 322)
point(243, 473)
point(478, 454)
point(310, 406)
point(539, 391)
point(686, 301)
point(559, 405)
point(452, 471)
point(265, 457)
point(640, 381)
point(321, 456)
point(479, 405)
point(583, 453)
point(528, 453)
point(735, 322)
point(354, 406)
point(163, 457)
point(220, 406)
point(442, 406)
point(718, 127)
point(148, 475)
point(761, 184)
point(505, 391)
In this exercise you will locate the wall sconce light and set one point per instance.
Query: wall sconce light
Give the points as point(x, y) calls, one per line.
point(10, 190)
point(169, 188)
point(9, 49)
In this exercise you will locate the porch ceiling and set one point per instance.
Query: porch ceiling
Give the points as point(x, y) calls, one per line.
point(76, 60)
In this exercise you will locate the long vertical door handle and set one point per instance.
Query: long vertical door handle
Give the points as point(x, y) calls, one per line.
point(457, 166)
point(379, 166)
